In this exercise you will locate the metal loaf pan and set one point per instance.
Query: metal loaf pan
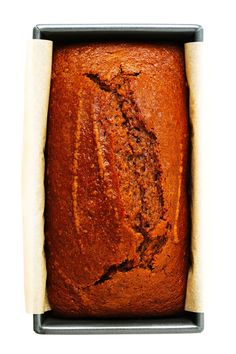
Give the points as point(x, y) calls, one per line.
point(188, 322)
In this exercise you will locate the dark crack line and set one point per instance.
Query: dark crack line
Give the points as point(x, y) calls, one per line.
point(125, 266)
point(128, 265)
point(134, 125)
point(96, 79)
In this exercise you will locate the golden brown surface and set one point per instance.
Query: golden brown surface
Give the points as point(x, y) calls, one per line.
point(116, 216)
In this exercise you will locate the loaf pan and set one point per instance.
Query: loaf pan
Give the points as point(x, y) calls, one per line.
point(188, 322)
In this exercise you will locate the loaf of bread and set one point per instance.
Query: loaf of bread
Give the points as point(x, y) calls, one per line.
point(116, 181)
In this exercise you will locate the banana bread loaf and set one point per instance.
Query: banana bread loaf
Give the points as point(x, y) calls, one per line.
point(116, 213)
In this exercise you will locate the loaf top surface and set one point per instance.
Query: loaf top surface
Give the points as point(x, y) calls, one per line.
point(116, 216)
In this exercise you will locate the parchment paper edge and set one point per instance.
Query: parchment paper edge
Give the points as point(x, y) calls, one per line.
point(193, 63)
point(37, 89)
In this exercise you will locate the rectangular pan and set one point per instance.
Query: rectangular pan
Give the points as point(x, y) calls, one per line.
point(188, 322)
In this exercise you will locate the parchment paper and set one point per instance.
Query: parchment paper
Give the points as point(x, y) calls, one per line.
point(193, 62)
point(37, 88)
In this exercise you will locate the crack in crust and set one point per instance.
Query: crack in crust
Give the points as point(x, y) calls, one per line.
point(140, 164)
point(127, 265)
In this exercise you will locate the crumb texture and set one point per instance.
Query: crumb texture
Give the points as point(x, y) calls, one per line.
point(116, 213)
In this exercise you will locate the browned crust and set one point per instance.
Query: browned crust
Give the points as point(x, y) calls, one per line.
point(116, 180)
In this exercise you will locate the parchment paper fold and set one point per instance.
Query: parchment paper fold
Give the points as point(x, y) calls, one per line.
point(37, 88)
point(193, 62)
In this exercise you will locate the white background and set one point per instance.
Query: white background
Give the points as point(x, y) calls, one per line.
point(219, 143)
